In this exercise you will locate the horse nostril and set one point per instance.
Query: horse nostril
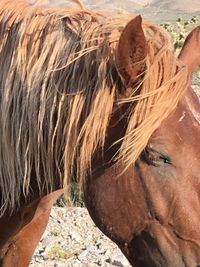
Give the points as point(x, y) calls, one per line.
point(144, 251)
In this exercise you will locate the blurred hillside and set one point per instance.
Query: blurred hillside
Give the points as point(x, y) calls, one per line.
point(184, 5)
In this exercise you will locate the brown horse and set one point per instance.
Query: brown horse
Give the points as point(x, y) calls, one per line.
point(103, 102)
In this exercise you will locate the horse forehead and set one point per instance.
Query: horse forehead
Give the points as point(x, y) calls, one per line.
point(193, 109)
point(187, 121)
point(183, 123)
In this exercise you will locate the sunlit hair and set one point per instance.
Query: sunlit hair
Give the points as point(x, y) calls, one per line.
point(59, 85)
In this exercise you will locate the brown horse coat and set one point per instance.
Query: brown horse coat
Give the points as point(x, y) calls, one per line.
point(102, 101)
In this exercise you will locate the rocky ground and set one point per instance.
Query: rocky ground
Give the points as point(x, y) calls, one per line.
point(72, 240)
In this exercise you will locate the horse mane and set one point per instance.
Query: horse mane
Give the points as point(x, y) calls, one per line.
point(59, 85)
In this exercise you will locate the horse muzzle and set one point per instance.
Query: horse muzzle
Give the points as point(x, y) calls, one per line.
point(160, 247)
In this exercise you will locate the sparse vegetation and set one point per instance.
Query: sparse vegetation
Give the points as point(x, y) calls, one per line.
point(57, 252)
point(74, 198)
point(179, 30)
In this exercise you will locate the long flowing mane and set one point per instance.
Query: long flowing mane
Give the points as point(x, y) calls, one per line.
point(59, 85)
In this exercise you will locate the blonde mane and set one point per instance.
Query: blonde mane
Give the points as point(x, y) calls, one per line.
point(59, 85)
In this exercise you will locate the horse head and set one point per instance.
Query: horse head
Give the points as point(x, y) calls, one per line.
point(110, 107)
point(151, 209)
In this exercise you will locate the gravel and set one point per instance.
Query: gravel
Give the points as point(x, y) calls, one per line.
point(72, 239)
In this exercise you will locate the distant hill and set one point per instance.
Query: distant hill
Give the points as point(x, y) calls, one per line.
point(185, 5)
point(181, 5)
point(133, 5)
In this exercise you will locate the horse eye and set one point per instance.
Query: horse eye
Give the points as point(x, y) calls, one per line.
point(155, 158)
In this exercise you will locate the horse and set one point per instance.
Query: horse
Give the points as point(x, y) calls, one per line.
point(104, 102)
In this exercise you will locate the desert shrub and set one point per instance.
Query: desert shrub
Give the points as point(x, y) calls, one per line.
point(73, 198)
point(57, 252)
point(179, 30)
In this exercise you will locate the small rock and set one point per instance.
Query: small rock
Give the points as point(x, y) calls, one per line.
point(82, 255)
point(120, 261)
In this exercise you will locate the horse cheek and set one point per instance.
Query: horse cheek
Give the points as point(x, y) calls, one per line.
point(116, 204)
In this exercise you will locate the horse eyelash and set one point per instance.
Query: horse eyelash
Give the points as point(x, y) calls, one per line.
point(154, 160)
point(166, 159)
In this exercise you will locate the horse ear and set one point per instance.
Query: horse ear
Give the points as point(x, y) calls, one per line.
point(190, 53)
point(132, 51)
